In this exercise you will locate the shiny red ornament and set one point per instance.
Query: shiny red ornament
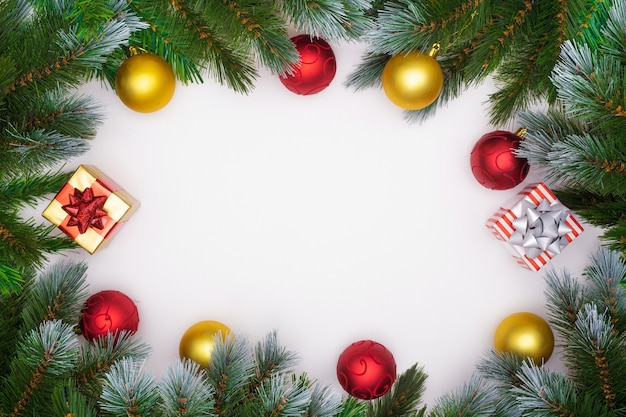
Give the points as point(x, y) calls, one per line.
point(108, 311)
point(316, 69)
point(494, 163)
point(366, 370)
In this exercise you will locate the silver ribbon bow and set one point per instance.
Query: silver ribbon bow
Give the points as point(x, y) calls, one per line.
point(541, 228)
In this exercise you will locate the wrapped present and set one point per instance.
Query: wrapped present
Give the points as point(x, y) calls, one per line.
point(535, 225)
point(90, 208)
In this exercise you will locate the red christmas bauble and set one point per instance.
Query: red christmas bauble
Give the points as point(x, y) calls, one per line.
point(316, 69)
point(108, 311)
point(366, 370)
point(494, 163)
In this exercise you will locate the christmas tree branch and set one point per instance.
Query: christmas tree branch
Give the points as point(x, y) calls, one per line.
point(544, 392)
point(98, 356)
point(324, 402)
point(67, 401)
point(27, 189)
point(129, 391)
point(47, 352)
point(270, 358)
point(329, 19)
point(594, 370)
point(405, 395)
point(185, 391)
point(472, 400)
point(232, 366)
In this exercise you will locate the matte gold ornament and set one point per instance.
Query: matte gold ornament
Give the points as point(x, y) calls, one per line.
point(145, 82)
point(413, 81)
point(527, 335)
point(198, 341)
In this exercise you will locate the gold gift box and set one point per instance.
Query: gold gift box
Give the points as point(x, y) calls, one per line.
point(100, 207)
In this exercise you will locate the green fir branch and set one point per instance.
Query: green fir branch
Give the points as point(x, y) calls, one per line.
point(45, 355)
point(596, 367)
point(25, 244)
point(592, 83)
point(615, 239)
point(604, 274)
point(279, 396)
point(99, 355)
point(58, 294)
point(185, 392)
point(547, 393)
point(232, 367)
point(472, 400)
point(591, 163)
point(328, 19)
point(564, 296)
point(404, 398)
point(129, 391)
point(271, 358)
point(597, 209)
point(10, 280)
point(167, 34)
point(27, 189)
point(324, 402)
point(352, 407)
point(67, 401)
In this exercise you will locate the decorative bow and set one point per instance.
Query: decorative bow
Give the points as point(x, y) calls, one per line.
point(541, 228)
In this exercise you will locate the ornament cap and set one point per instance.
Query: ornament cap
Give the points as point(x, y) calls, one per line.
point(434, 50)
point(521, 132)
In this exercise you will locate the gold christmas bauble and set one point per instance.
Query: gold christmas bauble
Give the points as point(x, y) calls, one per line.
point(198, 341)
point(527, 335)
point(145, 82)
point(413, 81)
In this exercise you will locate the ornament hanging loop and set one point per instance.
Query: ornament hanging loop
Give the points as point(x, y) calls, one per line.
point(434, 50)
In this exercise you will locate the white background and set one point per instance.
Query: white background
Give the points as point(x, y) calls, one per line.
point(328, 218)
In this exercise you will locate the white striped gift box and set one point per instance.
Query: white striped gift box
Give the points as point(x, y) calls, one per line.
point(503, 225)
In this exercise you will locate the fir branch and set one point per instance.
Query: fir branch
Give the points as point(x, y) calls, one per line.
point(544, 130)
point(615, 239)
point(68, 402)
point(271, 358)
point(564, 298)
point(167, 35)
point(328, 19)
point(472, 400)
point(10, 280)
point(27, 189)
point(72, 115)
point(25, 244)
point(592, 84)
point(597, 209)
point(129, 391)
point(596, 366)
point(405, 395)
point(185, 392)
point(547, 393)
point(265, 29)
point(591, 163)
point(604, 274)
point(368, 72)
point(352, 407)
point(47, 352)
point(39, 149)
point(280, 397)
point(232, 366)
point(500, 368)
point(58, 294)
point(185, 34)
point(98, 356)
point(324, 403)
